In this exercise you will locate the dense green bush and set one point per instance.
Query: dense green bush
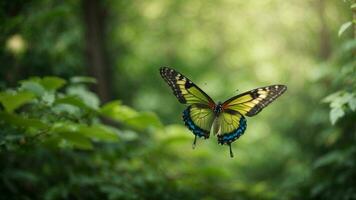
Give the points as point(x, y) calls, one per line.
point(53, 144)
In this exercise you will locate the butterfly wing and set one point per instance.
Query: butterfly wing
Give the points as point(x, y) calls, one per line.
point(232, 123)
point(231, 126)
point(199, 119)
point(199, 115)
point(184, 89)
point(252, 102)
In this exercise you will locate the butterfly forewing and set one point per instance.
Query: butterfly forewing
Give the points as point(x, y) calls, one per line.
point(184, 89)
point(252, 102)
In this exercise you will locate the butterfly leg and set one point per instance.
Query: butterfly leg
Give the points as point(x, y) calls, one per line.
point(194, 142)
point(231, 153)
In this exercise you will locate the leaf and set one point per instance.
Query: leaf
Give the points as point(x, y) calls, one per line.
point(344, 27)
point(52, 83)
point(89, 98)
point(48, 98)
point(71, 100)
point(331, 97)
point(99, 132)
point(341, 100)
point(352, 103)
point(82, 79)
point(21, 121)
point(66, 109)
point(353, 6)
point(144, 121)
point(117, 111)
point(328, 159)
point(96, 131)
point(33, 87)
point(335, 114)
point(128, 135)
point(77, 140)
point(49, 83)
point(11, 101)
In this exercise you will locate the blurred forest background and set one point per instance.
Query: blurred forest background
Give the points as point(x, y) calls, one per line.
point(84, 113)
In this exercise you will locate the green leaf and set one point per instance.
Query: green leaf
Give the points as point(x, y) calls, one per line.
point(117, 111)
point(89, 98)
point(52, 83)
point(21, 121)
point(335, 114)
point(66, 109)
point(82, 79)
point(328, 159)
point(33, 87)
point(72, 100)
point(124, 114)
point(144, 121)
point(344, 27)
point(331, 97)
point(11, 101)
point(341, 100)
point(352, 103)
point(77, 140)
point(48, 98)
point(353, 6)
point(99, 132)
point(40, 85)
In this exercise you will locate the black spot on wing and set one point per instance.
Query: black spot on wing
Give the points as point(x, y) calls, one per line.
point(188, 84)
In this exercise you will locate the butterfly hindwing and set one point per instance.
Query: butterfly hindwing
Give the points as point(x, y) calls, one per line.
point(231, 126)
point(199, 118)
point(252, 102)
point(184, 89)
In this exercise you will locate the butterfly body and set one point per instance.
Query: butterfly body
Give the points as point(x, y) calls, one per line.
point(218, 109)
point(226, 120)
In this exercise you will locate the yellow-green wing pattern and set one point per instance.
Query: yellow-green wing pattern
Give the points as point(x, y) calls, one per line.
point(184, 89)
point(231, 126)
point(199, 119)
point(252, 102)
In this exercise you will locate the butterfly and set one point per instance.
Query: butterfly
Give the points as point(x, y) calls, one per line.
point(225, 120)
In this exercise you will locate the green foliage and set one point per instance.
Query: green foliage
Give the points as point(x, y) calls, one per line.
point(340, 102)
point(65, 127)
point(12, 100)
point(58, 141)
point(66, 118)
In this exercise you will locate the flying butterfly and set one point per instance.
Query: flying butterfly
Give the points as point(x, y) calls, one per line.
point(226, 120)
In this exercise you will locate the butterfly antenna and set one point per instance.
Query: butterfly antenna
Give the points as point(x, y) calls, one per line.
point(194, 142)
point(231, 153)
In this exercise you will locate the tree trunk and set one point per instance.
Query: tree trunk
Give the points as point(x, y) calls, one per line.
point(97, 65)
point(354, 21)
point(325, 47)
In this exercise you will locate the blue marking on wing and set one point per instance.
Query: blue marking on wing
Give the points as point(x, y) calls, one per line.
point(228, 138)
point(191, 126)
